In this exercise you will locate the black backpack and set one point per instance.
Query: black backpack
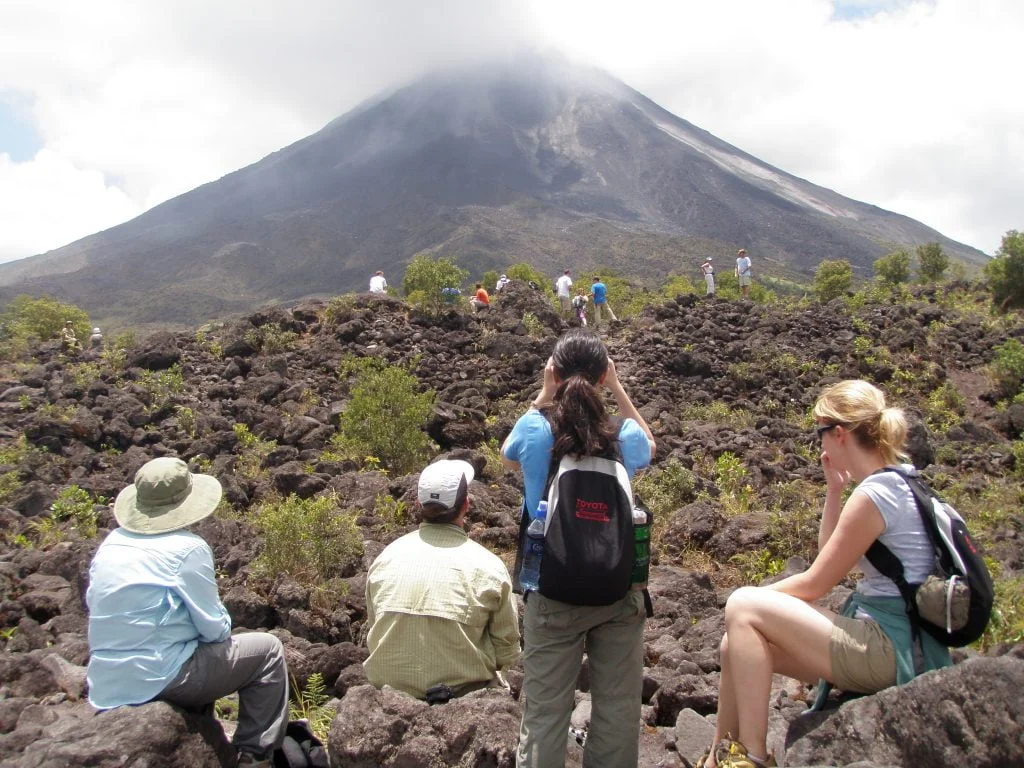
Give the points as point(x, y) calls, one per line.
point(300, 748)
point(588, 540)
point(959, 582)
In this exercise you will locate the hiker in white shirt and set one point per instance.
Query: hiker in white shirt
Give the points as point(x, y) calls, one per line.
point(709, 275)
point(744, 271)
point(563, 287)
point(377, 283)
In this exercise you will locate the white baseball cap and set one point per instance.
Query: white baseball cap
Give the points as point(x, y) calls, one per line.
point(445, 482)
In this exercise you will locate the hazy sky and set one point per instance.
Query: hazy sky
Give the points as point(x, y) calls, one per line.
point(108, 108)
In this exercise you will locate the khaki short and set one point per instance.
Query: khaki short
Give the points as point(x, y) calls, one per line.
point(863, 659)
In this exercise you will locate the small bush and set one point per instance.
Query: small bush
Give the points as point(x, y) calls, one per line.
point(932, 262)
point(1006, 625)
point(308, 539)
point(76, 505)
point(424, 279)
point(1005, 273)
point(730, 476)
point(664, 489)
point(832, 279)
point(894, 268)
point(945, 407)
point(756, 566)
point(252, 451)
point(162, 386)
point(186, 419)
point(392, 513)
point(526, 272)
point(270, 339)
point(534, 327)
point(385, 415)
point(1008, 368)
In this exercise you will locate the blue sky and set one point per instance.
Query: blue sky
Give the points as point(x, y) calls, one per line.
point(18, 136)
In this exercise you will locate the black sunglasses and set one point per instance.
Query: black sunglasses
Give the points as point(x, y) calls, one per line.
point(821, 430)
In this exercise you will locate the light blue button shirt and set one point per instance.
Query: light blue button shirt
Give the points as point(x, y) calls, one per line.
point(152, 600)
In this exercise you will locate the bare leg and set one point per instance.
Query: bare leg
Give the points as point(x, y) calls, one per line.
point(766, 632)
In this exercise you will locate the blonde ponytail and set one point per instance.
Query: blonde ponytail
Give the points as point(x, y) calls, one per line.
point(860, 407)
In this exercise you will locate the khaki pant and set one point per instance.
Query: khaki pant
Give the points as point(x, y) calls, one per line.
point(556, 635)
point(599, 311)
point(564, 301)
point(251, 663)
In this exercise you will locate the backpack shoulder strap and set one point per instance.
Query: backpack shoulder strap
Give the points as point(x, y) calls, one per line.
point(923, 496)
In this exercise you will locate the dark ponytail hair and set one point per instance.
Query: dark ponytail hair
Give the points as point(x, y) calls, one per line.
point(578, 420)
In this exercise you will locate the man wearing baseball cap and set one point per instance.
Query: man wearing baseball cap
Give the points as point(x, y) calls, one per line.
point(440, 614)
point(157, 627)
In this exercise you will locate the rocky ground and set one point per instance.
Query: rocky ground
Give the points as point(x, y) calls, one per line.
point(726, 387)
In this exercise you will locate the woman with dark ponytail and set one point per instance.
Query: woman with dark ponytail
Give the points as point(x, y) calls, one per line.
point(569, 418)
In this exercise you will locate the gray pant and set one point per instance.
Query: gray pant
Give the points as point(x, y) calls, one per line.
point(555, 635)
point(600, 310)
point(251, 663)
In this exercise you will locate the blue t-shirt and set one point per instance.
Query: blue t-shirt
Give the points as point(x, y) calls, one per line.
point(530, 444)
point(599, 290)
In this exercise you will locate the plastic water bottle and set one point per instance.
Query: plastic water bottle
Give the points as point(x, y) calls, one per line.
point(529, 576)
point(641, 548)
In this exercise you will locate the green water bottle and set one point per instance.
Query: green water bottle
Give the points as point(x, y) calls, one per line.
point(641, 548)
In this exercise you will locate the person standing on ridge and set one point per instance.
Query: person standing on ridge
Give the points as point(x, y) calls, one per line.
point(600, 293)
point(377, 283)
point(744, 271)
point(502, 282)
point(709, 275)
point(440, 612)
point(563, 287)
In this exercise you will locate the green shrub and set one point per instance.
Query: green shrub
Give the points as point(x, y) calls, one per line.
point(392, 513)
point(932, 262)
point(1006, 625)
point(832, 279)
point(718, 412)
point(253, 450)
point(664, 489)
point(271, 339)
point(730, 477)
point(425, 277)
point(534, 327)
point(1008, 368)
point(28, 320)
point(944, 407)
point(526, 272)
point(385, 415)
point(162, 386)
point(678, 285)
point(758, 565)
point(76, 505)
point(186, 419)
point(894, 268)
point(308, 539)
point(1005, 273)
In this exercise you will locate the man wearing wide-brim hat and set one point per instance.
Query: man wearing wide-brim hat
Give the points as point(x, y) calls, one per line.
point(157, 627)
point(439, 607)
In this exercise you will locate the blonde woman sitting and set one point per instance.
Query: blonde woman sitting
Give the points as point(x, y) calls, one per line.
point(776, 629)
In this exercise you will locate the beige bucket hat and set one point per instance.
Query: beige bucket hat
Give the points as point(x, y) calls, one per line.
point(166, 497)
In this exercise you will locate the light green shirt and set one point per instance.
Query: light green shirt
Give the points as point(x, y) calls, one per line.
point(439, 610)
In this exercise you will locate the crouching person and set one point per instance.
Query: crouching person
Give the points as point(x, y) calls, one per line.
point(440, 613)
point(157, 627)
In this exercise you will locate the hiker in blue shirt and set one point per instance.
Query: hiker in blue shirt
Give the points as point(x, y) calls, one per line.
point(777, 629)
point(157, 627)
point(568, 418)
point(600, 293)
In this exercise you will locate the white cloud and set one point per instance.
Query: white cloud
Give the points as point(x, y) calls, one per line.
point(907, 105)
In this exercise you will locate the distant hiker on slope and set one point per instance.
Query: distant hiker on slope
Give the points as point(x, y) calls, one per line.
point(779, 629)
point(709, 275)
point(377, 283)
point(68, 340)
point(744, 271)
point(579, 304)
point(158, 630)
point(480, 300)
point(599, 291)
point(563, 288)
point(96, 339)
point(502, 282)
